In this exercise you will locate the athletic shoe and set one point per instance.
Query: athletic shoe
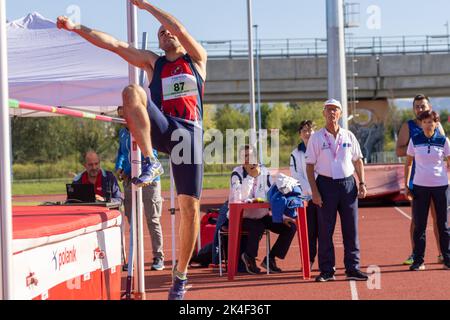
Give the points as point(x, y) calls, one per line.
point(250, 264)
point(158, 264)
point(325, 276)
point(150, 171)
point(178, 289)
point(272, 265)
point(417, 267)
point(409, 261)
point(447, 266)
point(440, 259)
point(356, 275)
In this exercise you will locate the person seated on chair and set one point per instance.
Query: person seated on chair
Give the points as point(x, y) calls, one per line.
point(105, 183)
point(222, 246)
point(251, 181)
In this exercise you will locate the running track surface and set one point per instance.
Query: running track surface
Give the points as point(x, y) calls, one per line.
point(384, 241)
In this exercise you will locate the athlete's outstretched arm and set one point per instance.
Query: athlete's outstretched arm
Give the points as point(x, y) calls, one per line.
point(139, 58)
point(193, 48)
point(402, 140)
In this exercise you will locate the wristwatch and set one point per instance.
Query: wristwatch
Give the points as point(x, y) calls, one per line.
point(362, 184)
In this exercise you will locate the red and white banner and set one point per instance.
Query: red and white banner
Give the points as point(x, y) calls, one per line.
point(65, 269)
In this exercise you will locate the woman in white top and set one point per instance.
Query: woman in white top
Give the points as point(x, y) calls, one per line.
point(298, 171)
point(430, 150)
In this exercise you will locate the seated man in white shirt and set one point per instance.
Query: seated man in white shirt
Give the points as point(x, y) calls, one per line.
point(252, 181)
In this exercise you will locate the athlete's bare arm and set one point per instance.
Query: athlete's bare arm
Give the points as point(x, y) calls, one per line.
point(408, 166)
point(402, 140)
point(143, 59)
point(193, 48)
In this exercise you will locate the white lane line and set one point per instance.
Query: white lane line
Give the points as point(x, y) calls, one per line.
point(403, 213)
point(354, 290)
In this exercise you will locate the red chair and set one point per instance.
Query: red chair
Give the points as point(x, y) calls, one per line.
point(235, 229)
point(225, 232)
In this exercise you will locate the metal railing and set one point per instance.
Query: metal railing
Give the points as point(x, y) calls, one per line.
point(385, 157)
point(314, 47)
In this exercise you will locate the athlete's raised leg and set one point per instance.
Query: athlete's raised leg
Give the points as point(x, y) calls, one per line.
point(135, 112)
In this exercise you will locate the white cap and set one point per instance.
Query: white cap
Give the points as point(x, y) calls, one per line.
point(332, 102)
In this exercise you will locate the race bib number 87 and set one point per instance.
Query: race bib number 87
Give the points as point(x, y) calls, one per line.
point(181, 85)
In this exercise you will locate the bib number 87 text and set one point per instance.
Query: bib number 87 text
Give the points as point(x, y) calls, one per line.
point(177, 87)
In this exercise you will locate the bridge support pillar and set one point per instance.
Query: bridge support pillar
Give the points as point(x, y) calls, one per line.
point(368, 126)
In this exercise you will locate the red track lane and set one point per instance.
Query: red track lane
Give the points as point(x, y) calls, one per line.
point(384, 237)
point(385, 243)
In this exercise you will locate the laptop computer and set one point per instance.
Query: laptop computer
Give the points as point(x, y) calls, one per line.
point(80, 193)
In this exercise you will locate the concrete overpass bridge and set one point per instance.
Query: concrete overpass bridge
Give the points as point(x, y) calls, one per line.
point(305, 78)
point(296, 69)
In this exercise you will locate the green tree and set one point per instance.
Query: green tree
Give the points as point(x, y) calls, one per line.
point(265, 111)
point(392, 125)
point(98, 136)
point(280, 118)
point(228, 117)
point(444, 115)
point(209, 114)
point(38, 139)
point(287, 118)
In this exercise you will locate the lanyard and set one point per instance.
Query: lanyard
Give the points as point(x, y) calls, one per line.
point(255, 185)
point(338, 145)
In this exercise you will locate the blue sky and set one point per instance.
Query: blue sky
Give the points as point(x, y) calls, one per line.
point(226, 19)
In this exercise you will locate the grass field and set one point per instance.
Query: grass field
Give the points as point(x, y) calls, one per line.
point(31, 203)
point(58, 186)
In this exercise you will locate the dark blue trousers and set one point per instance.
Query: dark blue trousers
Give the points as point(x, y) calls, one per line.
point(421, 203)
point(255, 229)
point(341, 196)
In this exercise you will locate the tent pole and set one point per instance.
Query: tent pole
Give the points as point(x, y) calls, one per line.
point(135, 168)
point(6, 292)
point(140, 218)
point(172, 216)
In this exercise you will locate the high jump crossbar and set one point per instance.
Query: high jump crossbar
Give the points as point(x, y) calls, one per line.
point(15, 104)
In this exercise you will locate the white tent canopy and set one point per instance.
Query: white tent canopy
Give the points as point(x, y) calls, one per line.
point(49, 68)
point(59, 68)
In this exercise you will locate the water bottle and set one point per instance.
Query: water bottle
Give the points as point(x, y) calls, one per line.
point(237, 194)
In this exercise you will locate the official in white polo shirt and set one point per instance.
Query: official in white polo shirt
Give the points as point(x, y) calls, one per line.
point(430, 150)
point(334, 154)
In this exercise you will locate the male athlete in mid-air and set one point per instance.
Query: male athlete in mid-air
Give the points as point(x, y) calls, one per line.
point(174, 109)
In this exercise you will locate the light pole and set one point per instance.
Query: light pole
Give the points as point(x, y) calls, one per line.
point(251, 74)
point(337, 78)
point(258, 90)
